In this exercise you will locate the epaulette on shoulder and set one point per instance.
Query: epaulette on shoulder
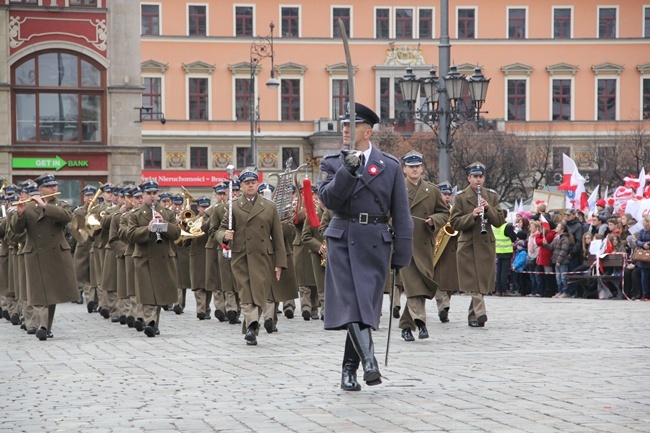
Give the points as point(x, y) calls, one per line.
point(491, 190)
point(393, 157)
point(460, 192)
point(331, 155)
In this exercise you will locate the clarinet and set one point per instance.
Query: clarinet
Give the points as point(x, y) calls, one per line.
point(227, 253)
point(153, 215)
point(483, 229)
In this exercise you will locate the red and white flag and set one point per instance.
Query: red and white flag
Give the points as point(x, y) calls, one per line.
point(641, 187)
point(545, 225)
point(571, 178)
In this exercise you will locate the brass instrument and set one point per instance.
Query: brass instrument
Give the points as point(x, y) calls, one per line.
point(323, 257)
point(27, 200)
point(442, 238)
point(187, 213)
point(479, 199)
point(93, 222)
point(283, 194)
point(193, 231)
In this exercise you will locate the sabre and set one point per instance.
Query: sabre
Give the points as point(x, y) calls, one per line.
point(348, 60)
point(227, 253)
point(393, 275)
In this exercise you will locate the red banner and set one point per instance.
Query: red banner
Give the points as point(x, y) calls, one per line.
point(187, 178)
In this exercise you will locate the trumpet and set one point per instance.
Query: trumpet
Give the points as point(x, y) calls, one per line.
point(479, 199)
point(159, 239)
point(27, 200)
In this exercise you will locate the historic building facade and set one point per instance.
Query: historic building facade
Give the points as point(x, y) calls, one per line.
point(69, 82)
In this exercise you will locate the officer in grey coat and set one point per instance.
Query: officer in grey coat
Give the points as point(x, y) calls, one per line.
point(363, 188)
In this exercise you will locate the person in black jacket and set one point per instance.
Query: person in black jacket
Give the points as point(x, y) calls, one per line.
point(577, 230)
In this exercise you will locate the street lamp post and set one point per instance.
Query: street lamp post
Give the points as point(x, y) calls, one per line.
point(261, 48)
point(444, 109)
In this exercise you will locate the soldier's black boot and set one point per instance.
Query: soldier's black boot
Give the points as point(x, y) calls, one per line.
point(350, 367)
point(362, 341)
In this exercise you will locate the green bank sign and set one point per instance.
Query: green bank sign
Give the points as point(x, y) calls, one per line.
point(56, 163)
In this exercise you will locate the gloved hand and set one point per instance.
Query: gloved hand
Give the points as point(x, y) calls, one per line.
point(351, 160)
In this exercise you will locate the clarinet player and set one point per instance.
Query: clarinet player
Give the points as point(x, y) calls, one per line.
point(474, 209)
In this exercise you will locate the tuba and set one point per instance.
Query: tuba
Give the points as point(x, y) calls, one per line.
point(283, 195)
point(93, 223)
point(442, 238)
point(187, 213)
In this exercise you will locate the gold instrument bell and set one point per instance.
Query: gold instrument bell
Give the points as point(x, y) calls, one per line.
point(78, 228)
point(442, 238)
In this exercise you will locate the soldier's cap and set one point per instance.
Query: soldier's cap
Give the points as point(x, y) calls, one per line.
point(235, 185)
point(89, 190)
point(203, 201)
point(127, 191)
point(13, 198)
point(363, 114)
point(46, 179)
point(165, 196)
point(220, 188)
point(107, 187)
point(264, 186)
point(136, 191)
point(445, 188)
point(116, 189)
point(475, 168)
point(412, 158)
point(11, 189)
point(149, 185)
point(25, 183)
point(177, 199)
point(249, 173)
point(32, 189)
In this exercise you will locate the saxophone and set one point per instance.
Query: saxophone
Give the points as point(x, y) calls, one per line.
point(442, 238)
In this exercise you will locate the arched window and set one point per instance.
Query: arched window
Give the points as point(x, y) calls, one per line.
point(58, 97)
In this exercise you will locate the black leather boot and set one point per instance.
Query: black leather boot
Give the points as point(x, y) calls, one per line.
point(362, 341)
point(350, 367)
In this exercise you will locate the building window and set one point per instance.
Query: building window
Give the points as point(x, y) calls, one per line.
point(244, 157)
point(152, 97)
point(83, 2)
point(59, 97)
point(558, 159)
point(516, 99)
point(150, 19)
point(243, 93)
point(425, 23)
point(466, 23)
point(384, 100)
point(199, 157)
point(244, 21)
point(562, 23)
point(646, 99)
point(290, 22)
point(290, 99)
point(382, 23)
point(197, 20)
point(33, 2)
point(561, 100)
point(646, 22)
point(607, 23)
point(339, 97)
point(344, 15)
point(516, 23)
point(606, 99)
point(151, 157)
point(404, 23)
point(291, 152)
point(198, 98)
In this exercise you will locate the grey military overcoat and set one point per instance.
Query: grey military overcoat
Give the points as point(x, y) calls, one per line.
point(358, 254)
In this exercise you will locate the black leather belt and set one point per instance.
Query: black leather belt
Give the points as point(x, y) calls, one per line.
point(363, 218)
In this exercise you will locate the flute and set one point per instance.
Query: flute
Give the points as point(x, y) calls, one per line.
point(480, 199)
point(27, 200)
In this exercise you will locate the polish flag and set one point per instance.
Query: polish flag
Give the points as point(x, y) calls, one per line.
point(545, 225)
point(593, 198)
point(641, 187)
point(571, 178)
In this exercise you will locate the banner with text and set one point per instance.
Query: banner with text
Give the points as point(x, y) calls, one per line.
point(188, 178)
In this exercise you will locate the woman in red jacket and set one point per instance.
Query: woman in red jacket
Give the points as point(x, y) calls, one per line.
point(544, 261)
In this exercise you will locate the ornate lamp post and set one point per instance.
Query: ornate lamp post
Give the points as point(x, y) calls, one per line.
point(261, 48)
point(444, 108)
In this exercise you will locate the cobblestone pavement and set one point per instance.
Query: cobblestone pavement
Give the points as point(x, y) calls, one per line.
point(539, 365)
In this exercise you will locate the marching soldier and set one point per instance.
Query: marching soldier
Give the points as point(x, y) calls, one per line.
point(257, 248)
point(133, 310)
point(97, 253)
point(362, 187)
point(82, 250)
point(12, 310)
point(474, 209)
point(429, 214)
point(50, 279)
point(153, 256)
point(445, 272)
point(118, 250)
point(182, 259)
point(109, 267)
point(212, 277)
point(198, 261)
point(314, 242)
point(304, 272)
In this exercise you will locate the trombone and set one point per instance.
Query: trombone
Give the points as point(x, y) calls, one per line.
point(27, 200)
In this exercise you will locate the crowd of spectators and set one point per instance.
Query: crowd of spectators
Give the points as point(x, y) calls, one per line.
point(546, 248)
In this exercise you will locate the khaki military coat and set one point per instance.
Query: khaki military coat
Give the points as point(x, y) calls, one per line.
point(225, 269)
point(287, 288)
point(4, 259)
point(109, 267)
point(82, 254)
point(155, 263)
point(197, 254)
point(129, 267)
point(51, 278)
point(445, 272)
point(117, 250)
point(257, 247)
point(425, 201)
point(301, 256)
point(212, 252)
point(312, 239)
point(476, 253)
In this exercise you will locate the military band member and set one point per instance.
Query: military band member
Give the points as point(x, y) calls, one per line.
point(476, 253)
point(82, 250)
point(97, 253)
point(198, 261)
point(212, 252)
point(118, 250)
point(109, 266)
point(429, 214)
point(153, 256)
point(133, 310)
point(11, 310)
point(257, 248)
point(445, 272)
point(28, 188)
point(50, 279)
point(182, 259)
point(363, 188)
point(314, 242)
point(4, 257)
point(166, 199)
point(304, 272)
